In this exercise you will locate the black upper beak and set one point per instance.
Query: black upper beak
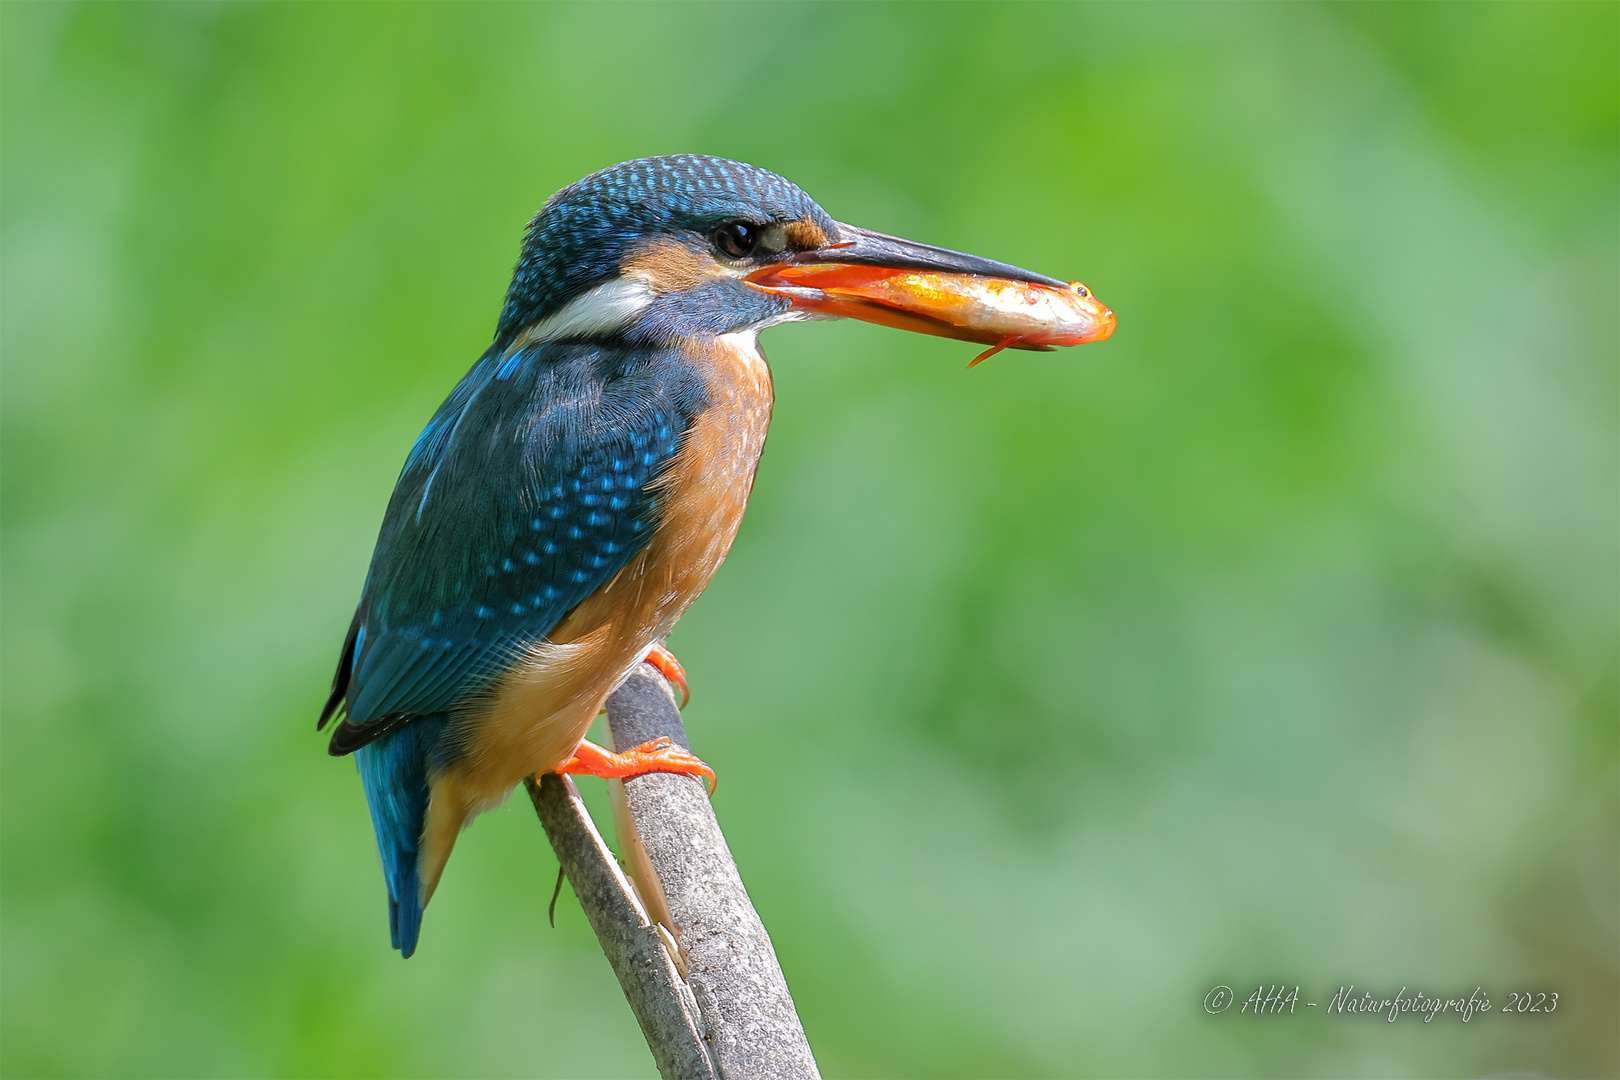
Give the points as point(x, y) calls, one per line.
point(863, 247)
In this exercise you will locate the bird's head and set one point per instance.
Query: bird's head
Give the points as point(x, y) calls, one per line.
point(663, 249)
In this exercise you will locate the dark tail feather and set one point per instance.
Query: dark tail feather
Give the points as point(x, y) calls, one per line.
point(394, 772)
point(345, 669)
point(349, 736)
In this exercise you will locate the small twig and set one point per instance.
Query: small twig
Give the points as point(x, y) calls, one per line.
point(556, 891)
point(732, 1002)
point(634, 948)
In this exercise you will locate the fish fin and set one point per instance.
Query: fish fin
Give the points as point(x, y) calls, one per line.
point(1011, 339)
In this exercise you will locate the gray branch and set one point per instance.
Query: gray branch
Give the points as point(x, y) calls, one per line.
point(657, 994)
point(723, 963)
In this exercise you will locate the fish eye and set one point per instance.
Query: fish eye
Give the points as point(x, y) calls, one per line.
point(737, 239)
point(1082, 290)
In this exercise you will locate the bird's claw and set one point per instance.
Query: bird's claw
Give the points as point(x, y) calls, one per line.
point(662, 755)
point(664, 660)
point(659, 755)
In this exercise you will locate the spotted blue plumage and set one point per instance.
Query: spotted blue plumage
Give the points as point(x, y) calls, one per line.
point(520, 498)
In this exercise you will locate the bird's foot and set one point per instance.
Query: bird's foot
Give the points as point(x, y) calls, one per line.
point(664, 660)
point(660, 755)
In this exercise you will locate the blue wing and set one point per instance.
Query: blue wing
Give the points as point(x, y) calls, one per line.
point(527, 491)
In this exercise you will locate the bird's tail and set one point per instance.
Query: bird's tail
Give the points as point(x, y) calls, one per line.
point(394, 771)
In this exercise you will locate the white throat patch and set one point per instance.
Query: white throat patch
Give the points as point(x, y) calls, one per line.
point(608, 307)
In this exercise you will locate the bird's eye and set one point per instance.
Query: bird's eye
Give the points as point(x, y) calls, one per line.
point(737, 239)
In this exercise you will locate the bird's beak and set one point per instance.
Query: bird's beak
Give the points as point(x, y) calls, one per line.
point(894, 282)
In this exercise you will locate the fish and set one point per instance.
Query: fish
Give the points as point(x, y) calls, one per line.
point(1001, 312)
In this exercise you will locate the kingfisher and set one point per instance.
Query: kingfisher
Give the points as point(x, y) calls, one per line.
point(581, 485)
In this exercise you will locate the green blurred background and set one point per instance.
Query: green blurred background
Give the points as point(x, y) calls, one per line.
point(1274, 640)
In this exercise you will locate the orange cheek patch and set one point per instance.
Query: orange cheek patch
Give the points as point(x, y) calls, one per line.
point(670, 266)
point(805, 234)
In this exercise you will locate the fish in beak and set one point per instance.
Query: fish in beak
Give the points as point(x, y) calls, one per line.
point(894, 282)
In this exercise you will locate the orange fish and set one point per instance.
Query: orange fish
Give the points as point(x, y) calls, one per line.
point(1000, 312)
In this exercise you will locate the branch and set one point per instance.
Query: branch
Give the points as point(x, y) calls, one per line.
point(635, 949)
point(678, 856)
point(678, 853)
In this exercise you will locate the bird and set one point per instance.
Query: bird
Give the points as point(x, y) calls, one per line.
point(579, 488)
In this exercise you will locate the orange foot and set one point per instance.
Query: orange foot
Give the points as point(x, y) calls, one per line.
point(664, 660)
point(660, 755)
